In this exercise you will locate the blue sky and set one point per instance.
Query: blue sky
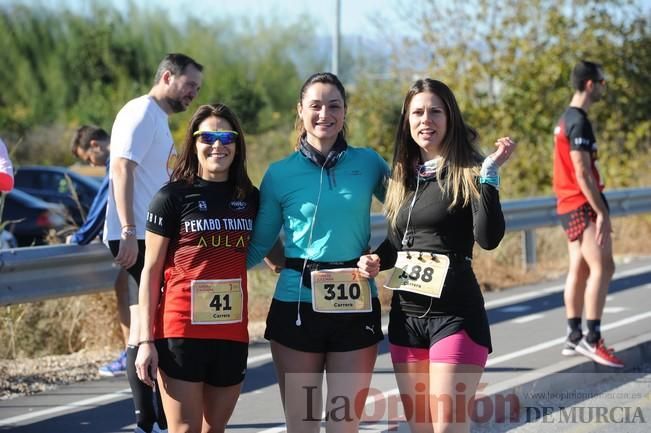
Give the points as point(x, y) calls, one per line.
point(356, 15)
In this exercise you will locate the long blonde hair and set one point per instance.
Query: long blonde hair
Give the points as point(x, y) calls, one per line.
point(460, 157)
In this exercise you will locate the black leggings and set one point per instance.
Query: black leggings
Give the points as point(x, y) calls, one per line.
point(136, 269)
point(148, 405)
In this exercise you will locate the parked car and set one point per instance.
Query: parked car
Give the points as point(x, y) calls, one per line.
point(30, 218)
point(49, 183)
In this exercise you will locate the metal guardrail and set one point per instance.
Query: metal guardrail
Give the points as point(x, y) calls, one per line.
point(38, 273)
point(529, 214)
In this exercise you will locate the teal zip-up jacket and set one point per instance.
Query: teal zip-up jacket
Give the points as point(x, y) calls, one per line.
point(342, 230)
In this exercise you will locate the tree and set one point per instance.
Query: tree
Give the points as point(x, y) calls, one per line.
point(64, 68)
point(509, 62)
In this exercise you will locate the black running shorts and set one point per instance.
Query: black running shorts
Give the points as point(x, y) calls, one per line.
point(214, 362)
point(575, 222)
point(322, 332)
point(422, 332)
point(134, 270)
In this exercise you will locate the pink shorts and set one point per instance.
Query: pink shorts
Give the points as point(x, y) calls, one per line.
point(455, 349)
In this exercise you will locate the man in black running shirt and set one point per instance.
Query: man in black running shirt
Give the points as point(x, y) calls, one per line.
point(583, 212)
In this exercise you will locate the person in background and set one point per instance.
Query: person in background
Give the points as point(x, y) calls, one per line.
point(6, 184)
point(583, 212)
point(91, 145)
point(142, 149)
point(442, 198)
point(193, 334)
point(6, 169)
point(321, 196)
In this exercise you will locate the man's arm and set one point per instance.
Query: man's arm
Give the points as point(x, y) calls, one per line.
point(122, 176)
point(588, 185)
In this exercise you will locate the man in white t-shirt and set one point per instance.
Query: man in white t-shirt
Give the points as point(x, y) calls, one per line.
point(142, 151)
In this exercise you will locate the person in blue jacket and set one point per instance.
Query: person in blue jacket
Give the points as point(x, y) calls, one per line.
point(91, 145)
point(323, 316)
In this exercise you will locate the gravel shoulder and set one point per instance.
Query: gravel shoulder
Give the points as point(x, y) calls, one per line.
point(27, 376)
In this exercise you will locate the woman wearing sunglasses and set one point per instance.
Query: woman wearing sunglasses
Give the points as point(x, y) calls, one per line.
point(323, 316)
point(194, 340)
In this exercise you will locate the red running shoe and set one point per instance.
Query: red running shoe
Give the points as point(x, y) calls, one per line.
point(599, 353)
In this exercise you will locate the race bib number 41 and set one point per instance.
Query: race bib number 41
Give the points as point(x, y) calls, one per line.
point(340, 291)
point(418, 272)
point(216, 302)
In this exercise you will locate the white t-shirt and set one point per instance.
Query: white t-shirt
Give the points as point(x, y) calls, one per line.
point(140, 133)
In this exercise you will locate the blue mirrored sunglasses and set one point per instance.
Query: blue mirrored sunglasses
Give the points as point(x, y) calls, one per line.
point(209, 137)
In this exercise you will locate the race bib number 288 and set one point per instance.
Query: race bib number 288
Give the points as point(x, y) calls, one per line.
point(419, 272)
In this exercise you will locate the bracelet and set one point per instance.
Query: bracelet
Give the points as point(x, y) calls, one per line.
point(491, 180)
point(129, 225)
point(128, 232)
point(145, 342)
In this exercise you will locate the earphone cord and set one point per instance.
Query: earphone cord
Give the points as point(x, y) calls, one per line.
point(428, 308)
point(404, 238)
point(309, 244)
point(411, 208)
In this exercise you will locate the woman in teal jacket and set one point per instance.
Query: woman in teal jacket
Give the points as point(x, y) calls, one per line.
point(324, 316)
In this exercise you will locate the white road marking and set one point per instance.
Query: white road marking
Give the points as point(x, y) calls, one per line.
point(118, 395)
point(515, 309)
point(258, 358)
point(527, 318)
point(275, 429)
point(615, 310)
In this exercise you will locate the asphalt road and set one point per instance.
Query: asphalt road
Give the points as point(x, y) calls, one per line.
point(527, 326)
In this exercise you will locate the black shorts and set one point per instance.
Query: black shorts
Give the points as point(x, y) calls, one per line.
point(134, 270)
point(214, 362)
point(575, 222)
point(410, 331)
point(323, 332)
point(422, 333)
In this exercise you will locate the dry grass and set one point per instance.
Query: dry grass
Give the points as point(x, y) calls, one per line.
point(504, 267)
point(59, 326)
point(89, 322)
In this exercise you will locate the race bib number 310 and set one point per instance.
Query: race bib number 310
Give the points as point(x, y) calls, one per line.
point(340, 291)
point(419, 272)
point(216, 302)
